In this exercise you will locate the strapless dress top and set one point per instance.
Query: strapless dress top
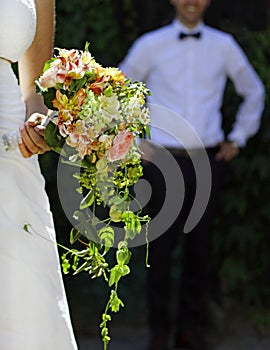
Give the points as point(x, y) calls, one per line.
point(17, 31)
point(17, 27)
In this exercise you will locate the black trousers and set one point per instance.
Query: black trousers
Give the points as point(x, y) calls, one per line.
point(195, 249)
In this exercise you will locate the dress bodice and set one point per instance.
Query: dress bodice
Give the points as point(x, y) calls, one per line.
point(17, 31)
point(17, 27)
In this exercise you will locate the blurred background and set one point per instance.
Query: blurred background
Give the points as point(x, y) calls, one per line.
point(242, 234)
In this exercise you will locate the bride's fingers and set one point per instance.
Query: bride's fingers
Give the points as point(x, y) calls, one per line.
point(32, 135)
point(25, 147)
point(40, 130)
point(24, 150)
point(36, 119)
point(28, 141)
point(34, 139)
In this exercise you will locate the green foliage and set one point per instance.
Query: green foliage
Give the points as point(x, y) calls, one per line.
point(108, 26)
point(242, 231)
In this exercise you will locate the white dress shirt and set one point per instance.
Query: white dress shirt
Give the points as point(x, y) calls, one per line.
point(188, 77)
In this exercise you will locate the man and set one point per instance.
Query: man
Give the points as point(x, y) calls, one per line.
point(186, 65)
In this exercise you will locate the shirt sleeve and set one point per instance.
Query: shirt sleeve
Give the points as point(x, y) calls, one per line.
point(249, 86)
point(136, 64)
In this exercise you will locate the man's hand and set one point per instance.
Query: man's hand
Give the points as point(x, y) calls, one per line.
point(228, 150)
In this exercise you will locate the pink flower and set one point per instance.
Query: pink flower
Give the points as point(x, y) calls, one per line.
point(121, 145)
point(52, 76)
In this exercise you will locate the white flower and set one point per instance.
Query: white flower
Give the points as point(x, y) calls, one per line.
point(110, 106)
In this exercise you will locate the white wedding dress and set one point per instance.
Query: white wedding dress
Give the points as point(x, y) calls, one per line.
point(34, 312)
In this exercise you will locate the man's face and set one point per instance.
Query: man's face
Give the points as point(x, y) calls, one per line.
point(190, 12)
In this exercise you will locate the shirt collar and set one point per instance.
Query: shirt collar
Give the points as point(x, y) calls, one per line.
point(180, 27)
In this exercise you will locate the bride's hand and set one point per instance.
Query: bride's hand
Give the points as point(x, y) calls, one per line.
point(32, 136)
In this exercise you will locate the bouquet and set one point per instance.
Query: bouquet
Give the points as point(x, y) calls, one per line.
point(99, 116)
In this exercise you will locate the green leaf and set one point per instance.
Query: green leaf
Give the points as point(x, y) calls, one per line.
point(88, 200)
point(123, 256)
point(125, 270)
point(75, 263)
point(132, 224)
point(77, 84)
point(102, 164)
point(86, 47)
point(147, 131)
point(65, 263)
point(115, 302)
point(108, 92)
point(74, 235)
point(47, 64)
point(48, 97)
point(115, 275)
point(85, 227)
point(115, 214)
point(53, 138)
point(106, 235)
point(106, 317)
point(104, 331)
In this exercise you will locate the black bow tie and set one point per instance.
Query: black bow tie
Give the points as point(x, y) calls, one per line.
point(189, 35)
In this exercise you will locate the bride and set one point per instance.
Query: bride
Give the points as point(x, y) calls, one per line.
point(34, 311)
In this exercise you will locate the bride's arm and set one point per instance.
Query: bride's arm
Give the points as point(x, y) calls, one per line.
point(30, 66)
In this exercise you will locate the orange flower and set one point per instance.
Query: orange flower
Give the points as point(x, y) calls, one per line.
point(99, 85)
